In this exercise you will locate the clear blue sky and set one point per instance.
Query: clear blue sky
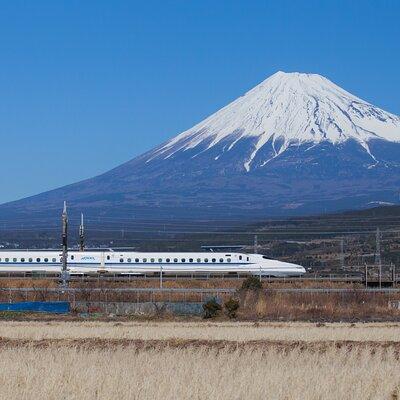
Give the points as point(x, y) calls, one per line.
point(87, 85)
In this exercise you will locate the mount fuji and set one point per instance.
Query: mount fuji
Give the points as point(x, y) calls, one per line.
point(295, 144)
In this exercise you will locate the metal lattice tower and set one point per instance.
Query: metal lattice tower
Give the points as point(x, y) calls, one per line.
point(342, 253)
point(81, 235)
point(64, 238)
point(378, 260)
point(255, 244)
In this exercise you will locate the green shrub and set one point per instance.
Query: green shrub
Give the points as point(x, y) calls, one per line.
point(11, 315)
point(211, 308)
point(232, 305)
point(252, 283)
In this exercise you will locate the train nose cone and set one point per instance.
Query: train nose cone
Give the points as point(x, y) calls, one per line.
point(299, 269)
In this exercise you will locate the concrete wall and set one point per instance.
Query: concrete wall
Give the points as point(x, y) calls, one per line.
point(148, 308)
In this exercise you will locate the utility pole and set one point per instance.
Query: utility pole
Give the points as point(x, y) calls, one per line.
point(81, 235)
point(342, 254)
point(378, 260)
point(393, 268)
point(255, 244)
point(64, 238)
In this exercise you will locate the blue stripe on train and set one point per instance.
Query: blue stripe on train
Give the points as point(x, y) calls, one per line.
point(120, 264)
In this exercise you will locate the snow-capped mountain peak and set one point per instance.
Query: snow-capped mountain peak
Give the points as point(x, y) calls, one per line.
point(295, 144)
point(287, 109)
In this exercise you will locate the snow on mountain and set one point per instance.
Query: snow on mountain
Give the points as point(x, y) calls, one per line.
point(287, 109)
point(295, 144)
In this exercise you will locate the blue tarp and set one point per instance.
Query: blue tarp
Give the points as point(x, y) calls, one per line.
point(58, 307)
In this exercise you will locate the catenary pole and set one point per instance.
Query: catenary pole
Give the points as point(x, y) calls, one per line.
point(81, 235)
point(64, 239)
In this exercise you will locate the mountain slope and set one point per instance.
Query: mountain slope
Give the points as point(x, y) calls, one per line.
point(288, 110)
point(296, 143)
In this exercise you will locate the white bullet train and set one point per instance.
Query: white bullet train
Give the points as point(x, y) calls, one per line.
point(138, 263)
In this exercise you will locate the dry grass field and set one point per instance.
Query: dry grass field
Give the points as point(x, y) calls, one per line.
point(140, 282)
point(202, 331)
point(198, 360)
point(196, 373)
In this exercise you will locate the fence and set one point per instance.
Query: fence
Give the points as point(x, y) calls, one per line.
point(130, 295)
point(367, 273)
point(141, 295)
point(277, 303)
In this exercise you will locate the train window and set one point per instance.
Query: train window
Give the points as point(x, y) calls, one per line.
point(214, 260)
point(240, 257)
point(14, 260)
point(7, 260)
point(167, 260)
point(22, 259)
point(108, 257)
point(247, 258)
point(175, 260)
point(136, 260)
point(129, 260)
point(38, 260)
point(160, 260)
point(190, 259)
point(198, 260)
point(228, 259)
point(46, 260)
point(30, 260)
point(72, 257)
point(121, 260)
point(53, 260)
point(221, 260)
point(206, 260)
point(183, 260)
point(152, 260)
point(144, 259)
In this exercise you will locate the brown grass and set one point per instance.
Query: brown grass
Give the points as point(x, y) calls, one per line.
point(236, 332)
point(173, 283)
point(225, 360)
point(265, 305)
point(269, 305)
point(349, 306)
point(196, 373)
